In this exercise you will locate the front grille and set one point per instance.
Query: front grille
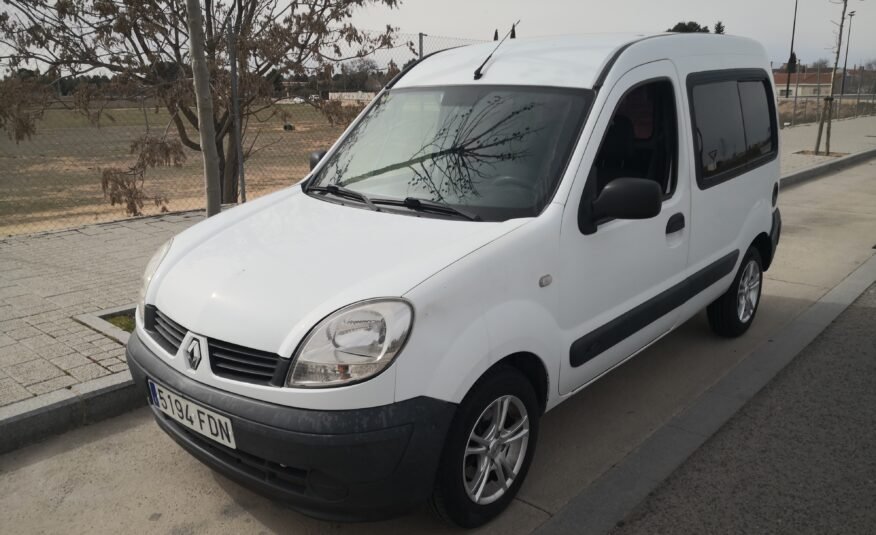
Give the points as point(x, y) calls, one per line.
point(243, 364)
point(168, 333)
point(226, 360)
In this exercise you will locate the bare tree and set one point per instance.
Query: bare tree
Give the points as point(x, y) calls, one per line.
point(828, 102)
point(146, 48)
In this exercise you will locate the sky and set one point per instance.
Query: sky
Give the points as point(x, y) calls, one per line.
point(768, 21)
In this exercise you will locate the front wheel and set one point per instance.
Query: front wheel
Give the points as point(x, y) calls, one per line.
point(732, 313)
point(488, 449)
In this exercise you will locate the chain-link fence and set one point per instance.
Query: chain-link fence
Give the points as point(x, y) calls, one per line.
point(801, 96)
point(808, 109)
point(54, 179)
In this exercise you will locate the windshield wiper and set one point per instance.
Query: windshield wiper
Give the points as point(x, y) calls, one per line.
point(341, 191)
point(424, 205)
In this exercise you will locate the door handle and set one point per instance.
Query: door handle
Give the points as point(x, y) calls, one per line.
point(675, 223)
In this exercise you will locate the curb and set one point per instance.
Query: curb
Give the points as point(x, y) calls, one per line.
point(36, 418)
point(608, 500)
point(53, 413)
point(826, 168)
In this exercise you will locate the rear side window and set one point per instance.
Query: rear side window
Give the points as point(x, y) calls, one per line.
point(733, 115)
point(719, 128)
point(756, 114)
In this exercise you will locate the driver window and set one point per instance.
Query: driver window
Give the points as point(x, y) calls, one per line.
point(642, 139)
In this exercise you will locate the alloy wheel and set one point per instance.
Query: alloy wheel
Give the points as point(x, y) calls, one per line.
point(495, 450)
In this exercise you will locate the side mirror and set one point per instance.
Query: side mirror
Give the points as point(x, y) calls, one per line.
point(629, 198)
point(315, 157)
point(622, 198)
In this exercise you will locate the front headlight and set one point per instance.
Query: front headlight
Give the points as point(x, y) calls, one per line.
point(151, 267)
point(351, 345)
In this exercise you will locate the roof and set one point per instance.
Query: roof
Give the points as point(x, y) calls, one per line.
point(562, 61)
point(806, 78)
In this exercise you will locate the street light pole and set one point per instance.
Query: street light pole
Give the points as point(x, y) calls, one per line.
point(846, 63)
point(792, 60)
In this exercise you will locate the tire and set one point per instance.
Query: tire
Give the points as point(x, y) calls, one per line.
point(458, 471)
point(733, 313)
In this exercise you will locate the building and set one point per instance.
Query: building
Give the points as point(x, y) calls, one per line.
point(804, 84)
point(353, 98)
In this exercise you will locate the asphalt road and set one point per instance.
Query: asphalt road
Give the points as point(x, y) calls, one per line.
point(124, 475)
point(798, 458)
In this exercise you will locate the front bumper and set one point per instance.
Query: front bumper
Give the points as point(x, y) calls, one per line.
point(350, 465)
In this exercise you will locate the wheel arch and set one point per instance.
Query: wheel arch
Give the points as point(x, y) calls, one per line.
point(764, 246)
point(533, 369)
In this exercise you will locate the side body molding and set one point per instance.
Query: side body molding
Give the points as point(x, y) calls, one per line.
point(605, 337)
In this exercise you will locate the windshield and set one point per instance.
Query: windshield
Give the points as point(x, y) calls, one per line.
point(495, 151)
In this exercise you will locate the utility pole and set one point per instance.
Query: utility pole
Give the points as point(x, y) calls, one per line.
point(792, 58)
point(860, 83)
point(421, 44)
point(845, 65)
point(796, 92)
point(204, 100)
point(828, 102)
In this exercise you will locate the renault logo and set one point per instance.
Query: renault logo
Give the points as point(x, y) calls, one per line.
point(193, 353)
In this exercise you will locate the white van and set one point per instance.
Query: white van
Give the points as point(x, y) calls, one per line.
point(476, 248)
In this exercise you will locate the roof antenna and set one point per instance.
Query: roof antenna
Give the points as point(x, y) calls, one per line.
point(478, 74)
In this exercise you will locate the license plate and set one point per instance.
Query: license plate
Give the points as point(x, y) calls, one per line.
point(198, 419)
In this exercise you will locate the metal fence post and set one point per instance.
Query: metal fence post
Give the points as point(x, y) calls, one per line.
point(860, 83)
point(235, 109)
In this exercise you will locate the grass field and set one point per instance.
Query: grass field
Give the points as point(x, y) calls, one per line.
point(53, 180)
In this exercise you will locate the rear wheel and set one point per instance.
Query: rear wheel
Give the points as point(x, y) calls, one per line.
point(732, 313)
point(488, 449)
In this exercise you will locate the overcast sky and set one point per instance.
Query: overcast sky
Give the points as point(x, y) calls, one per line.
point(768, 21)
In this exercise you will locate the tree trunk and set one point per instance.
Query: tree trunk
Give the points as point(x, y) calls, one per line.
point(206, 122)
point(230, 172)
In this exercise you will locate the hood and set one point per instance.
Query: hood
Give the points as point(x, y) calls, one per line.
point(261, 276)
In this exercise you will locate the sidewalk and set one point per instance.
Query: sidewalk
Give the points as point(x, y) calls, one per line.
point(849, 136)
point(48, 279)
point(798, 458)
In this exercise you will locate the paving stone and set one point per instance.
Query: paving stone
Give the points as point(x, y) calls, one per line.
point(88, 350)
point(51, 385)
point(54, 350)
point(110, 361)
point(109, 345)
point(10, 392)
point(14, 290)
point(116, 368)
point(88, 372)
point(6, 340)
point(34, 371)
point(7, 313)
point(70, 361)
point(15, 354)
point(41, 340)
point(23, 332)
point(102, 357)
